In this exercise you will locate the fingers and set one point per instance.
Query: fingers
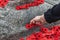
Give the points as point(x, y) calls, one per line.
point(35, 21)
point(38, 23)
point(32, 21)
point(38, 20)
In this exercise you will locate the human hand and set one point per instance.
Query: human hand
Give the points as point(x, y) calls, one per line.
point(38, 20)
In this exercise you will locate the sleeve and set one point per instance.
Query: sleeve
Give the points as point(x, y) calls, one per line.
point(53, 14)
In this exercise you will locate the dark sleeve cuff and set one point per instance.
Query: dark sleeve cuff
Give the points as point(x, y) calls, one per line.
point(52, 14)
point(51, 18)
point(48, 17)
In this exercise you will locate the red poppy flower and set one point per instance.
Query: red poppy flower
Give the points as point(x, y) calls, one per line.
point(29, 26)
point(45, 33)
point(21, 38)
point(25, 6)
point(39, 35)
point(3, 3)
point(31, 37)
point(44, 30)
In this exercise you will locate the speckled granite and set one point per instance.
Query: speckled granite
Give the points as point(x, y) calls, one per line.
point(12, 22)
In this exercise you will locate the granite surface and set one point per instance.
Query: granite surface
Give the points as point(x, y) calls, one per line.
point(12, 21)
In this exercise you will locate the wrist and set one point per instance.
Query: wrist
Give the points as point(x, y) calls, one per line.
point(43, 18)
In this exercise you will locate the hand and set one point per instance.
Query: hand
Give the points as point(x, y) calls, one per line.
point(38, 20)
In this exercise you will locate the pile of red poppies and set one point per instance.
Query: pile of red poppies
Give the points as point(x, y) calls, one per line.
point(26, 6)
point(44, 33)
point(3, 3)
